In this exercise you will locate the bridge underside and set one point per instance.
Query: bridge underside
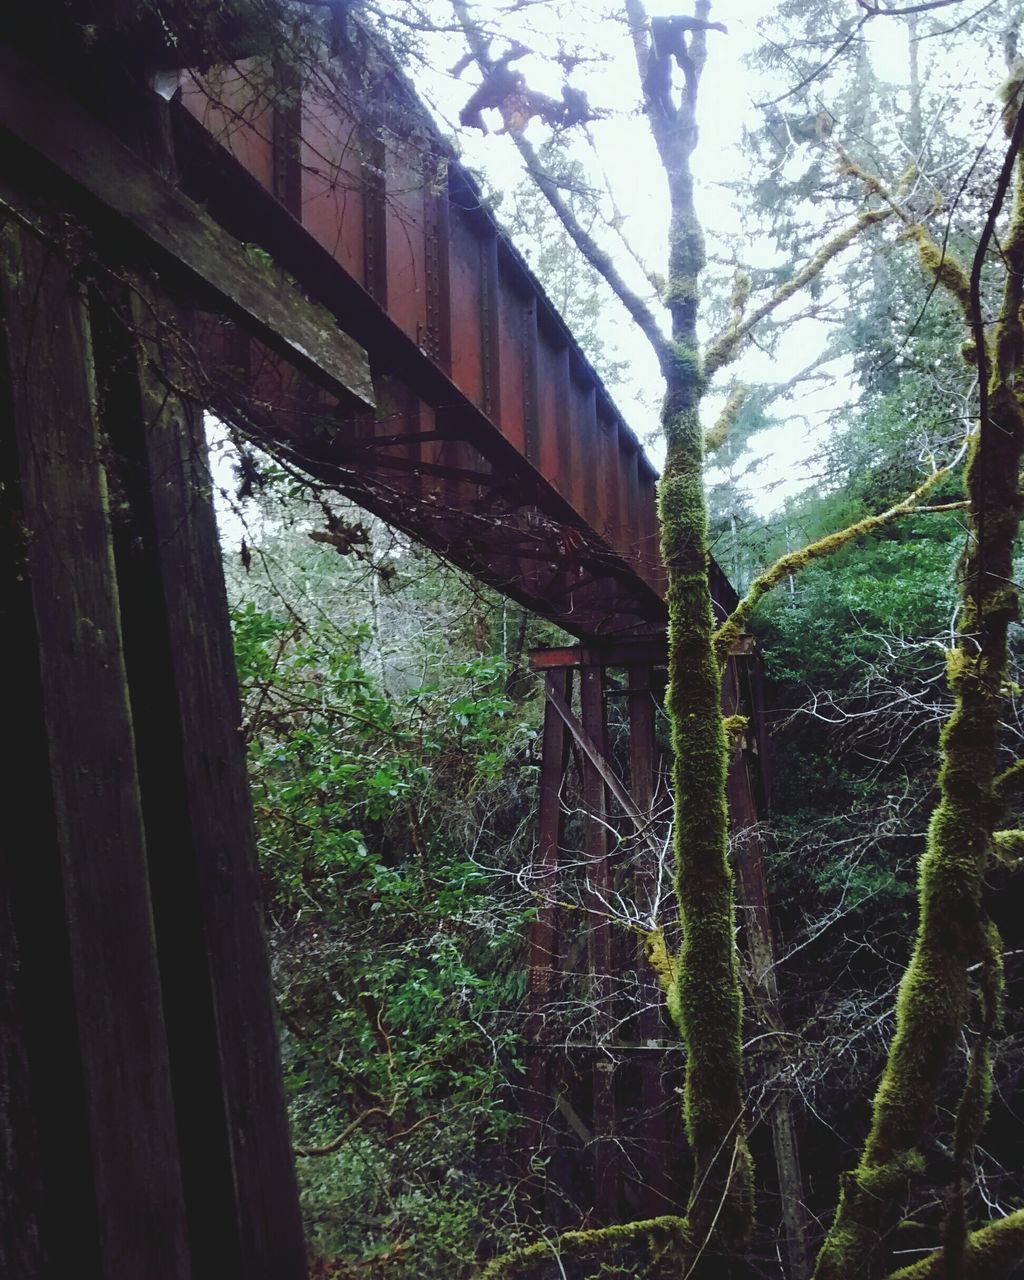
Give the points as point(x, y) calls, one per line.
point(148, 275)
point(440, 388)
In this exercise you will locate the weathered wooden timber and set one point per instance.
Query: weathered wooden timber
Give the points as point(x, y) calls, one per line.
point(647, 1129)
point(76, 782)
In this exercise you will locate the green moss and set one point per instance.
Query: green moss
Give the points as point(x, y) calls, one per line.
point(939, 263)
point(725, 421)
point(1009, 785)
point(705, 989)
point(992, 1252)
point(1008, 847)
point(741, 287)
point(683, 363)
point(660, 1240)
point(1010, 95)
point(735, 727)
point(683, 289)
point(663, 962)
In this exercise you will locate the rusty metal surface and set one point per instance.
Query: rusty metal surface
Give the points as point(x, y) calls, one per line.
point(346, 184)
point(411, 229)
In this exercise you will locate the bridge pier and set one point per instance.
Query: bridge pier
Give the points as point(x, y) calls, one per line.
point(604, 1137)
point(141, 1101)
point(597, 1109)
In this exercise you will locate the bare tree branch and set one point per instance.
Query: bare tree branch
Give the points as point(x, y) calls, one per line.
point(597, 257)
point(874, 12)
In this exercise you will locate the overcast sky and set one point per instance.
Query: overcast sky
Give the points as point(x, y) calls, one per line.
point(728, 95)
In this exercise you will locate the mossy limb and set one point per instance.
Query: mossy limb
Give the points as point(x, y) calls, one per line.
point(939, 263)
point(1009, 785)
point(1008, 847)
point(732, 628)
point(719, 433)
point(992, 1252)
point(724, 348)
point(659, 1239)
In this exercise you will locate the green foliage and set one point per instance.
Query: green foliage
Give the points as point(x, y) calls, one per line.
point(395, 938)
point(824, 632)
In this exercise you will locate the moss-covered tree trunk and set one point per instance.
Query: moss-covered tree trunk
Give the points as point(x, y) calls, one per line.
point(953, 938)
point(708, 1002)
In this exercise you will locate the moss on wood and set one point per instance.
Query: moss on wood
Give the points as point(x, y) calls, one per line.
point(726, 420)
point(992, 1252)
point(657, 1240)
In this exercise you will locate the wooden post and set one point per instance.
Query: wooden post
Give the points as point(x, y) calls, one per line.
point(110, 1198)
point(593, 717)
point(543, 944)
point(652, 1162)
point(754, 915)
point(237, 1161)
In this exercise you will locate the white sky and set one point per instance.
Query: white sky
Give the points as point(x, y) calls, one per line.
point(626, 153)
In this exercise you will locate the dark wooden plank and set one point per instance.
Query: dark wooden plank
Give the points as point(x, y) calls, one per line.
point(47, 1205)
point(755, 920)
point(599, 941)
point(239, 1176)
point(21, 1246)
point(597, 760)
point(617, 653)
point(94, 794)
point(648, 649)
point(286, 135)
point(543, 941)
point(36, 111)
point(653, 1156)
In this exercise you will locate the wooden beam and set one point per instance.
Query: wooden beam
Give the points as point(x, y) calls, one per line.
point(653, 1156)
point(599, 762)
point(237, 1165)
point(599, 936)
point(120, 1212)
point(36, 111)
point(543, 941)
point(620, 653)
